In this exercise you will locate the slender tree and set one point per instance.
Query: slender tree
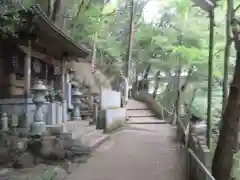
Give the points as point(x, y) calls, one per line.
point(228, 138)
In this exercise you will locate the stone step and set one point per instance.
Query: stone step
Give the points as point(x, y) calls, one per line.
point(140, 113)
point(94, 139)
point(87, 135)
point(80, 128)
point(145, 120)
point(132, 105)
point(71, 126)
point(85, 132)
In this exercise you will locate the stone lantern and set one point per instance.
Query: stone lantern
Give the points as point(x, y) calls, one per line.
point(38, 125)
point(76, 101)
point(4, 122)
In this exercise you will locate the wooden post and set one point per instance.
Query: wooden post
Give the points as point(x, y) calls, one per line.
point(210, 78)
point(12, 79)
point(130, 41)
point(63, 89)
point(27, 81)
point(46, 73)
point(63, 77)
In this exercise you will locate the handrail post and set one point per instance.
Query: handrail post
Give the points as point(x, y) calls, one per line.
point(162, 113)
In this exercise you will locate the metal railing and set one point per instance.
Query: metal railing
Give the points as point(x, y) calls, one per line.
point(163, 109)
point(190, 152)
point(200, 164)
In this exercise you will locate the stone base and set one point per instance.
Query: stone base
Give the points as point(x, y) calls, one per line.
point(77, 118)
point(114, 119)
point(23, 131)
point(37, 128)
point(54, 129)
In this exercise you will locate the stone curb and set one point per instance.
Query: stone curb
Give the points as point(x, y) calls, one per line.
point(99, 142)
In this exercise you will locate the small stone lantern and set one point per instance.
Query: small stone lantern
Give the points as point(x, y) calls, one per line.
point(76, 101)
point(38, 124)
point(4, 122)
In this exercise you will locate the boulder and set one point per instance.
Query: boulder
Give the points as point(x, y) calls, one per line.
point(52, 148)
point(59, 174)
point(25, 160)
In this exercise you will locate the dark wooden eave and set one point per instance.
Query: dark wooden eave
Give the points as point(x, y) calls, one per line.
point(51, 38)
point(206, 5)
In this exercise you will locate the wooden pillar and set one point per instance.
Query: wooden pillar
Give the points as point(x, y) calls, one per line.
point(12, 81)
point(27, 82)
point(63, 77)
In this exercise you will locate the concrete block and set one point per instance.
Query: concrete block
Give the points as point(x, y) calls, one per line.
point(114, 119)
point(110, 99)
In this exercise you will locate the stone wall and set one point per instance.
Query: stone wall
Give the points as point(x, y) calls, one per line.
point(16, 106)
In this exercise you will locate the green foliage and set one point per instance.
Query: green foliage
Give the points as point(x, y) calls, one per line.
point(179, 33)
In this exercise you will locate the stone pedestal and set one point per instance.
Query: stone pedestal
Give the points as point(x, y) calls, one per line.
point(38, 125)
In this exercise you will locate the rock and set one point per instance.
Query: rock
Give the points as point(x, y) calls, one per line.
point(22, 144)
point(52, 148)
point(36, 173)
point(25, 160)
point(4, 155)
point(4, 173)
point(59, 174)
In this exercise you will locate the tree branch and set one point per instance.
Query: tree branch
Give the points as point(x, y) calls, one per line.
point(236, 8)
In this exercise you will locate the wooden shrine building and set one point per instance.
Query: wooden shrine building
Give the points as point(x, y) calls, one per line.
point(39, 54)
point(39, 51)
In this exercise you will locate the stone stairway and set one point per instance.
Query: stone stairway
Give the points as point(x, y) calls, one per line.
point(139, 113)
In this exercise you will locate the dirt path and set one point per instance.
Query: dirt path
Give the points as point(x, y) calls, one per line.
point(139, 152)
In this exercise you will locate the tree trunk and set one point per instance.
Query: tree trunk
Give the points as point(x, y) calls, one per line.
point(74, 24)
point(228, 138)
point(184, 86)
point(156, 84)
point(130, 41)
point(226, 54)
point(227, 143)
point(56, 10)
point(49, 4)
point(147, 71)
point(177, 102)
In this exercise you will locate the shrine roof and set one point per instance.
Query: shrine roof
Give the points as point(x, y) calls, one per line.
point(206, 5)
point(55, 41)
